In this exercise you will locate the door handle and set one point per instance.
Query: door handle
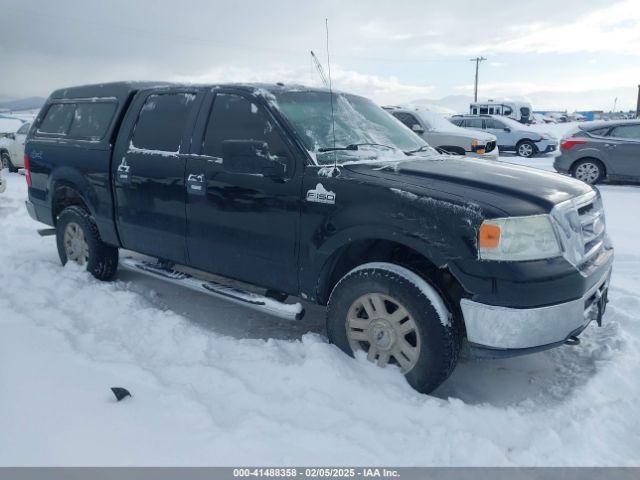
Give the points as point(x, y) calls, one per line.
point(610, 145)
point(195, 184)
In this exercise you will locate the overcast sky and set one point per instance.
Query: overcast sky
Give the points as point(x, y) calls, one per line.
point(557, 53)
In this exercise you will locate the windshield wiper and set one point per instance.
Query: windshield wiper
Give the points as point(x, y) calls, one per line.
point(423, 148)
point(354, 146)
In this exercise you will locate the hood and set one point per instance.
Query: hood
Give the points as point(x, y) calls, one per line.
point(512, 189)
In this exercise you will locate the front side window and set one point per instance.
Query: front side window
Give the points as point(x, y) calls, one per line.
point(162, 121)
point(58, 119)
point(493, 123)
point(631, 132)
point(234, 117)
point(507, 111)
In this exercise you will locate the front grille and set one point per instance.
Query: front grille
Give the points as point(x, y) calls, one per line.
point(490, 146)
point(591, 218)
point(581, 227)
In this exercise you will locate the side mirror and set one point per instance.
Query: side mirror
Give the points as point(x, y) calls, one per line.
point(417, 128)
point(507, 129)
point(251, 157)
point(12, 136)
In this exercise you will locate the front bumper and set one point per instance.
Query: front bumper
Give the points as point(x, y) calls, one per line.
point(514, 331)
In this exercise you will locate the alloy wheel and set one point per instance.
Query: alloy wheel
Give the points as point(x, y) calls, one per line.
point(587, 172)
point(75, 244)
point(525, 150)
point(381, 326)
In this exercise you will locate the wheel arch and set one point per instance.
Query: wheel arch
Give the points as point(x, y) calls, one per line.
point(359, 252)
point(65, 194)
point(590, 157)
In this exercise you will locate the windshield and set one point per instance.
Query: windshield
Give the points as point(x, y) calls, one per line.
point(358, 122)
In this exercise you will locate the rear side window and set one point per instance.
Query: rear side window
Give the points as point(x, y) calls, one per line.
point(599, 132)
point(24, 129)
point(473, 123)
point(627, 131)
point(161, 122)
point(91, 120)
point(79, 121)
point(493, 123)
point(58, 119)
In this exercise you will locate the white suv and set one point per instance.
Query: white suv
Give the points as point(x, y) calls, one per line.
point(12, 148)
point(442, 134)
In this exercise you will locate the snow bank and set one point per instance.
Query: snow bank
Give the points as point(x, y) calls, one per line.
point(215, 384)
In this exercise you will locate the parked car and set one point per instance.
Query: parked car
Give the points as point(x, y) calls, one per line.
point(518, 111)
point(597, 151)
point(512, 136)
point(329, 199)
point(442, 134)
point(12, 148)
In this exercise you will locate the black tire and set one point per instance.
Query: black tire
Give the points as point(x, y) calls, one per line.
point(6, 162)
point(440, 344)
point(588, 170)
point(526, 149)
point(102, 261)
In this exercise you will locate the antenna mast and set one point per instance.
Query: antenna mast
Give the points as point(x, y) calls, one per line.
point(333, 120)
point(318, 66)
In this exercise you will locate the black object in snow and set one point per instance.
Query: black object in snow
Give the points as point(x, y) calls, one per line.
point(120, 392)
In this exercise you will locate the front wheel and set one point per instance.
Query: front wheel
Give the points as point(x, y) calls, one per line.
point(526, 149)
point(79, 241)
point(396, 318)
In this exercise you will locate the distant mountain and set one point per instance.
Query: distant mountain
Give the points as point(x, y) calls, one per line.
point(30, 103)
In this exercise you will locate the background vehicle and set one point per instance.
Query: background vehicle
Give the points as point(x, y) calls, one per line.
point(410, 252)
point(512, 136)
point(440, 133)
point(3, 181)
point(596, 151)
point(12, 148)
point(518, 111)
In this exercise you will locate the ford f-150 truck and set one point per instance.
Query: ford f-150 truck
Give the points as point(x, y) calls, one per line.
point(288, 191)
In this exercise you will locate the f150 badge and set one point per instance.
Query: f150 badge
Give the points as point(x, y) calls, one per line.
point(321, 195)
point(124, 174)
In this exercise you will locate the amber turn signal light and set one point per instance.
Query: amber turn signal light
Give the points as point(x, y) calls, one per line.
point(489, 236)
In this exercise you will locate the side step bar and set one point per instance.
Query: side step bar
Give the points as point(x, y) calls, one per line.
point(268, 305)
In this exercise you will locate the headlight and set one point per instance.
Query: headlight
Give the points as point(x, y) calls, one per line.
point(518, 239)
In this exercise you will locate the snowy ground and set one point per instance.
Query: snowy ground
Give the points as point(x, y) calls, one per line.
point(216, 384)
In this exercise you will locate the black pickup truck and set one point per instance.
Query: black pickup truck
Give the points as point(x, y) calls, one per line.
point(295, 191)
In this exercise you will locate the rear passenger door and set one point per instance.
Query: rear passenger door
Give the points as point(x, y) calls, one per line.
point(623, 150)
point(148, 170)
point(243, 225)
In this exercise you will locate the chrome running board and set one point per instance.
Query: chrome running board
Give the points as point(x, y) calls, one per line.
point(287, 311)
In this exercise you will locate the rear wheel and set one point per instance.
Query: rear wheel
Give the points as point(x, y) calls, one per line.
point(6, 162)
point(394, 317)
point(79, 241)
point(525, 148)
point(589, 170)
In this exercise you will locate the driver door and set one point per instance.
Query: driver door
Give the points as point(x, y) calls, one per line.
point(242, 225)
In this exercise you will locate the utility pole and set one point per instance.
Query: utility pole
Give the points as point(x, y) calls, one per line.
point(638, 105)
point(615, 102)
point(475, 89)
